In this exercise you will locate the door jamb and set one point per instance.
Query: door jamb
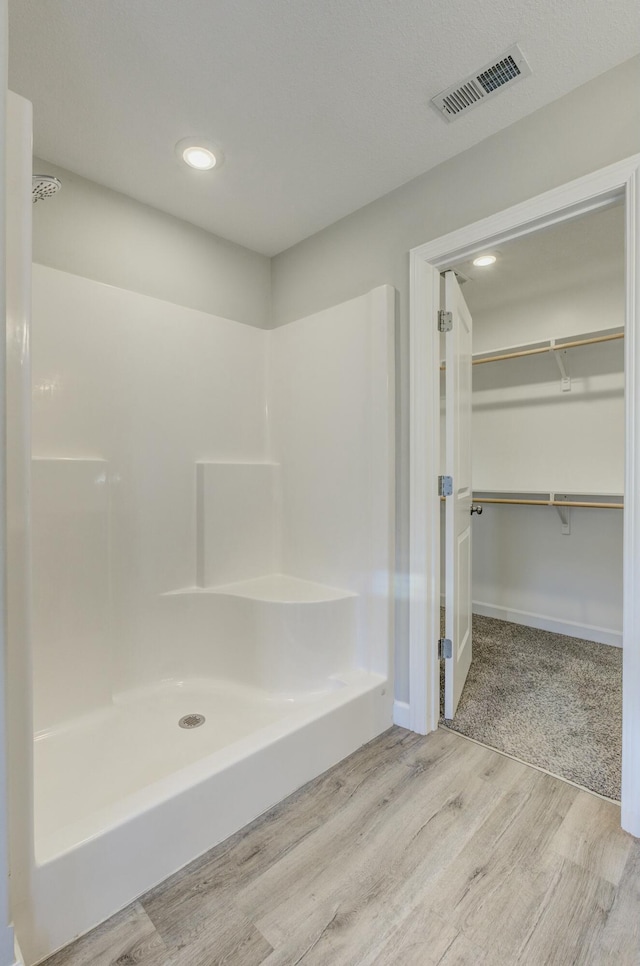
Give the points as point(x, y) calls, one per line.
point(589, 193)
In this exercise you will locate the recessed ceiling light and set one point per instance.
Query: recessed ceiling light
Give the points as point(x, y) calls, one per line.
point(199, 153)
point(482, 261)
point(199, 158)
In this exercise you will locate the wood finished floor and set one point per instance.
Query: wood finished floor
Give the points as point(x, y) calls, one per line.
point(417, 851)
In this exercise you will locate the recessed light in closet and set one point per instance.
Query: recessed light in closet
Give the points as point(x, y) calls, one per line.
point(199, 153)
point(483, 261)
point(199, 158)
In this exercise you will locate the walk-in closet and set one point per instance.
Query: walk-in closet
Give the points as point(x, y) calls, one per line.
point(547, 451)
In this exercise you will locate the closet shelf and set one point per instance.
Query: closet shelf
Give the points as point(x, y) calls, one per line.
point(594, 501)
point(550, 345)
point(545, 346)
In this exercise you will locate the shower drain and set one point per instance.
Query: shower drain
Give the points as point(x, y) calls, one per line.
point(191, 721)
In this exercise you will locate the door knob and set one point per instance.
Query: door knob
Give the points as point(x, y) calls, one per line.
point(475, 508)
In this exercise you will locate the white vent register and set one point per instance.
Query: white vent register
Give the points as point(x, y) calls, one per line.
point(510, 67)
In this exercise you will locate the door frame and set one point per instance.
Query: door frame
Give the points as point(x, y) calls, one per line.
point(589, 193)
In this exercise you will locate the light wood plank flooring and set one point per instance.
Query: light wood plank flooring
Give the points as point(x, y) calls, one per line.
point(416, 851)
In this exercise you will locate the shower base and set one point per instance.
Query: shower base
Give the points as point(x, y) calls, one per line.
point(113, 759)
point(130, 792)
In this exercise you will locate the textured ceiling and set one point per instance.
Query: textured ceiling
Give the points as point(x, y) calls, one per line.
point(319, 105)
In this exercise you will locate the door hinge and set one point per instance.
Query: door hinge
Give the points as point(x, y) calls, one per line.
point(445, 647)
point(445, 485)
point(445, 321)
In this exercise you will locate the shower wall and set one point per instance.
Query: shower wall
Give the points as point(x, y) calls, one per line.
point(129, 393)
point(176, 451)
point(331, 432)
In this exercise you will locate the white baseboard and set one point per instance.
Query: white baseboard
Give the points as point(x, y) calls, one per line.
point(401, 714)
point(602, 635)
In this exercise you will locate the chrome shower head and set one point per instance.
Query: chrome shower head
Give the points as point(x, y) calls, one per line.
point(43, 186)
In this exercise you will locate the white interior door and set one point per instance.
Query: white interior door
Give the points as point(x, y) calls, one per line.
point(458, 504)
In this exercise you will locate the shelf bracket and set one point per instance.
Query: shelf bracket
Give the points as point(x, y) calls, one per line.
point(560, 355)
point(564, 512)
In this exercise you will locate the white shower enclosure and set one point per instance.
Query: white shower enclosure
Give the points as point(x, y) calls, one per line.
point(210, 532)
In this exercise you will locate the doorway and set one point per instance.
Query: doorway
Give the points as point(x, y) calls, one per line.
point(597, 191)
point(547, 454)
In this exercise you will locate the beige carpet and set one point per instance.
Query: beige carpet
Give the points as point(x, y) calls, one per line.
point(551, 700)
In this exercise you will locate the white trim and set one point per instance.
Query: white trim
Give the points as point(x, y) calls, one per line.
point(588, 193)
point(587, 632)
point(6, 929)
point(631, 621)
point(593, 191)
point(424, 450)
point(401, 715)
point(543, 622)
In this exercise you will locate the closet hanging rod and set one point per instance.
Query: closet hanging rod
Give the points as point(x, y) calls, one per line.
point(541, 350)
point(552, 348)
point(568, 503)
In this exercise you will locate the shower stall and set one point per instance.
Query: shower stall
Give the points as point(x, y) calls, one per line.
point(201, 556)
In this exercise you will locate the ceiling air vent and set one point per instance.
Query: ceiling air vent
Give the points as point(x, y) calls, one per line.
point(489, 80)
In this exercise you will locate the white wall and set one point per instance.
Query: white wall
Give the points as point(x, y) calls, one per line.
point(526, 570)
point(587, 303)
point(89, 230)
point(595, 125)
point(529, 435)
